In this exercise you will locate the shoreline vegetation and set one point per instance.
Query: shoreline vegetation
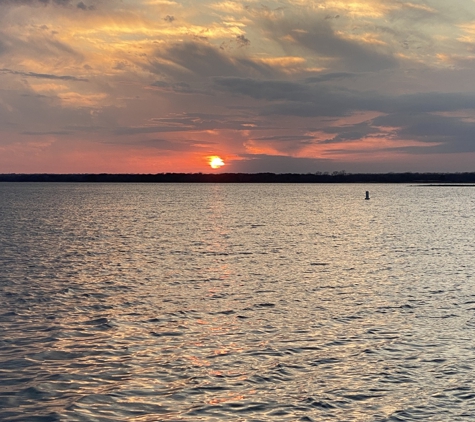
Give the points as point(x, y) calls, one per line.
point(434, 179)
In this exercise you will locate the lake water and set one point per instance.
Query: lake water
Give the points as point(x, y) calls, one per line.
point(196, 302)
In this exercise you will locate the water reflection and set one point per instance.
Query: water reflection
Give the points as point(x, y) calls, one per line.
point(235, 302)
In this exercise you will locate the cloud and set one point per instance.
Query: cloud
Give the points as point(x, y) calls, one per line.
point(306, 100)
point(293, 98)
point(3, 47)
point(239, 41)
point(413, 11)
point(45, 114)
point(82, 6)
point(318, 36)
point(261, 163)
point(264, 89)
point(202, 60)
point(336, 76)
point(352, 132)
point(147, 129)
point(197, 58)
point(34, 2)
point(280, 144)
point(176, 87)
point(431, 102)
point(350, 54)
point(44, 75)
point(452, 133)
point(285, 138)
point(192, 122)
point(413, 120)
point(54, 132)
point(43, 3)
point(167, 144)
point(39, 50)
point(242, 41)
point(298, 78)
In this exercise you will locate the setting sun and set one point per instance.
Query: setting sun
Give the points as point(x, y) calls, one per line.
point(216, 162)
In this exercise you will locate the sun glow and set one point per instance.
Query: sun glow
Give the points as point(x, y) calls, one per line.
point(215, 162)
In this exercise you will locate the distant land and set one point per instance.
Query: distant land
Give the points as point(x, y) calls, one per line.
point(439, 179)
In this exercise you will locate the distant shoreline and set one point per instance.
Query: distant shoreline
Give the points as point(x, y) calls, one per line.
point(425, 179)
point(448, 185)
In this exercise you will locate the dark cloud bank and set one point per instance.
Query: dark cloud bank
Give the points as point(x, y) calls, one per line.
point(412, 117)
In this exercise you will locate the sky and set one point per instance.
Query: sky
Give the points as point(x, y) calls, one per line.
point(300, 86)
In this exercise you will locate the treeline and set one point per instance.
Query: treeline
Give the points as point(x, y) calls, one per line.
point(335, 177)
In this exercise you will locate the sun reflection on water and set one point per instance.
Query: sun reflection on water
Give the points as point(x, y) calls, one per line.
point(200, 302)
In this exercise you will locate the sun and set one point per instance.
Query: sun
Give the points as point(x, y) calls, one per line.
point(215, 162)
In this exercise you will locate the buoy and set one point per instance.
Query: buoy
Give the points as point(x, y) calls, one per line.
point(367, 194)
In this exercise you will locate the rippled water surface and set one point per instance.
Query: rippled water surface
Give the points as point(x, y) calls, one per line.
point(128, 302)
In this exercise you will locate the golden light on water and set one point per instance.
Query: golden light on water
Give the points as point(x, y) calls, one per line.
point(216, 162)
